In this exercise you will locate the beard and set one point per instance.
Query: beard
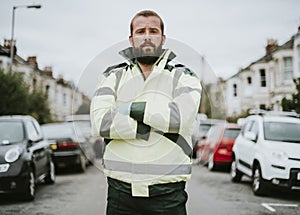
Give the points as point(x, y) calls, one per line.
point(146, 57)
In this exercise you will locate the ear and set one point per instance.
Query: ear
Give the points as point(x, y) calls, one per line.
point(163, 39)
point(131, 40)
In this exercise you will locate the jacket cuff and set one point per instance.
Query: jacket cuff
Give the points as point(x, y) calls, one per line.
point(137, 111)
point(143, 131)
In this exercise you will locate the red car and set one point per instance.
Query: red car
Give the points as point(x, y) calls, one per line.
point(215, 150)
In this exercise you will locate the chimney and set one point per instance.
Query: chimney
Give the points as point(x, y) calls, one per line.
point(7, 44)
point(271, 46)
point(60, 79)
point(48, 71)
point(32, 60)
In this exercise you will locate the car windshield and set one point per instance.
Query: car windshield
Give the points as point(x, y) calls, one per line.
point(282, 131)
point(231, 133)
point(204, 129)
point(83, 126)
point(11, 132)
point(54, 131)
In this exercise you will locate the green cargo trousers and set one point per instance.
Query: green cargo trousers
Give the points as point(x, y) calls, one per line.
point(122, 203)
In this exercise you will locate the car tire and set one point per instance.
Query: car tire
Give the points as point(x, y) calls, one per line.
point(82, 163)
point(235, 174)
point(259, 185)
point(29, 192)
point(211, 164)
point(50, 178)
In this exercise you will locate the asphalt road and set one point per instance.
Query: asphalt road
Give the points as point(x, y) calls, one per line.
point(210, 193)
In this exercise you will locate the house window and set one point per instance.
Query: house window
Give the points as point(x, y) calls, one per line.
point(47, 90)
point(65, 99)
point(34, 83)
point(234, 90)
point(262, 106)
point(288, 68)
point(263, 82)
point(249, 80)
point(298, 50)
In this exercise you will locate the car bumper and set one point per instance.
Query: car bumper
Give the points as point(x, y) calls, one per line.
point(66, 158)
point(13, 183)
point(293, 182)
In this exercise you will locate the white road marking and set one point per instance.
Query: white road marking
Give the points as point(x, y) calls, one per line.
point(268, 206)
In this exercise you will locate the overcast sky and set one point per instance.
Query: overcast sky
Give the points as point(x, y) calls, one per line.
point(68, 34)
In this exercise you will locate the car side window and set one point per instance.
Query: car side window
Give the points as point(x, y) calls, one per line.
point(254, 128)
point(32, 131)
point(247, 127)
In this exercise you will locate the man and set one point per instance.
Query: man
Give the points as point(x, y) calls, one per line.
point(145, 110)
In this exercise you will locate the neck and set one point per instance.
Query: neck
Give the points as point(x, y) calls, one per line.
point(146, 69)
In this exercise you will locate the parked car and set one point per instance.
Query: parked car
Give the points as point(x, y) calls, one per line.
point(201, 128)
point(215, 150)
point(25, 156)
point(82, 122)
point(268, 151)
point(69, 145)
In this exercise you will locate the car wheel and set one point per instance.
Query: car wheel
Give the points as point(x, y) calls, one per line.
point(211, 164)
point(235, 174)
point(30, 186)
point(50, 178)
point(258, 184)
point(82, 163)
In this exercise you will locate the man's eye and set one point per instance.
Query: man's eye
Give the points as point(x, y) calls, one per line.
point(154, 31)
point(139, 31)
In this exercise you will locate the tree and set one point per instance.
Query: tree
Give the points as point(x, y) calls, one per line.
point(294, 103)
point(17, 99)
point(13, 93)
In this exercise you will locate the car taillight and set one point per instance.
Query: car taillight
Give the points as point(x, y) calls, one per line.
point(67, 145)
point(53, 146)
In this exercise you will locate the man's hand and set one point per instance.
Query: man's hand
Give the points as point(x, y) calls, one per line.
point(124, 108)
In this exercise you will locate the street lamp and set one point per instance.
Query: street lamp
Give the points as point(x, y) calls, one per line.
point(12, 43)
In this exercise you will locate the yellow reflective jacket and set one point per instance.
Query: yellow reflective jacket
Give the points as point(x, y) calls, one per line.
point(152, 143)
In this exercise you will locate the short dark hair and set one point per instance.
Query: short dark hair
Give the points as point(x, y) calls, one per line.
point(147, 13)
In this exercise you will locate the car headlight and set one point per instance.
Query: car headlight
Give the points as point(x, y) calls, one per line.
point(280, 156)
point(12, 154)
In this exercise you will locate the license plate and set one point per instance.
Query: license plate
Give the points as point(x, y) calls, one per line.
point(298, 176)
point(4, 167)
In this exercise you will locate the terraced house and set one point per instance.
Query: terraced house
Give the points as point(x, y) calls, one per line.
point(265, 82)
point(63, 97)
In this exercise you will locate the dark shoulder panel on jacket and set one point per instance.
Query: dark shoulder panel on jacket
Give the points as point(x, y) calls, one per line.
point(185, 70)
point(114, 68)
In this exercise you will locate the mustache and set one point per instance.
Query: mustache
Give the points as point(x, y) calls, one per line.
point(147, 44)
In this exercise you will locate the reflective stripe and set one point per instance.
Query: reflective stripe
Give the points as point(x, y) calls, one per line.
point(118, 78)
point(182, 90)
point(174, 123)
point(176, 78)
point(104, 91)
point(148, 169)
point(106, 123)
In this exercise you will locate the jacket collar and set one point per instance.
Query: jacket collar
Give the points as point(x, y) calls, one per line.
point(128, 54)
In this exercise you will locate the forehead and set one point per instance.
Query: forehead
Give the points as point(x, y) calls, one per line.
point(146, 22)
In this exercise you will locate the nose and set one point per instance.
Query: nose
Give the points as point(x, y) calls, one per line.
point(147, 36)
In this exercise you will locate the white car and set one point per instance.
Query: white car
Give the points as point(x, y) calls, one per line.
point(268, 151)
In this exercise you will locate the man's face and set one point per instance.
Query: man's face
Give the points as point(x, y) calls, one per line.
point(146, 38)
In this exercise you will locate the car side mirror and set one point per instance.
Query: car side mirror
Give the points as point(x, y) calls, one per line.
point(250, 136)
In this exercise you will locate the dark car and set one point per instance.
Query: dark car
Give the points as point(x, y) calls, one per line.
point(25, 156)
point(82, 122)
point(215, 150)
point(69, 145)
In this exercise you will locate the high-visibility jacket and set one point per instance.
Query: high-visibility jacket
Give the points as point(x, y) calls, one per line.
point(152, 143)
